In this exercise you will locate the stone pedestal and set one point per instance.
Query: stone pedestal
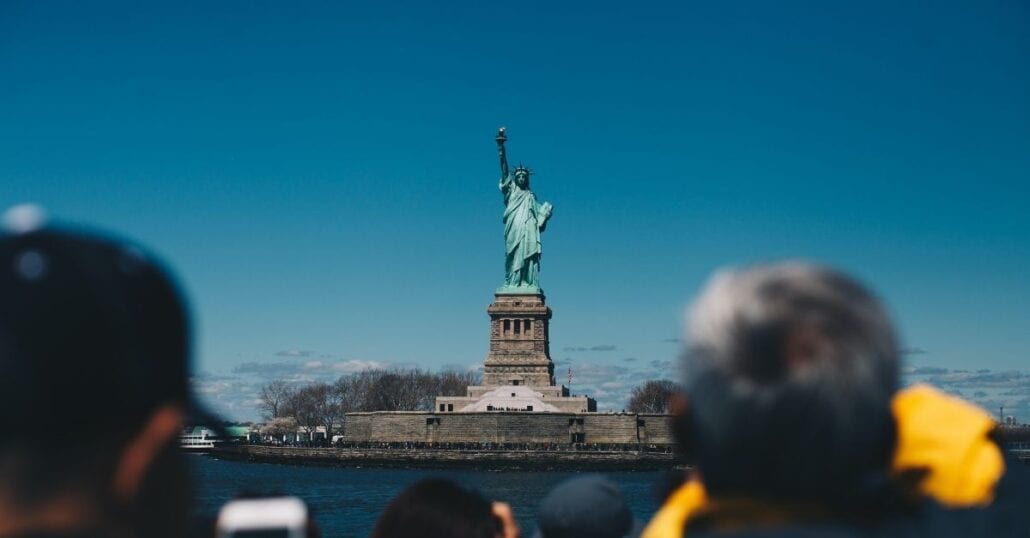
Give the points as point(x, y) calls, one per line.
point(519, 342)
point(518, 374)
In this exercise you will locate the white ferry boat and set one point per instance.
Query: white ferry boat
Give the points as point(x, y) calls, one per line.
point(198, 439)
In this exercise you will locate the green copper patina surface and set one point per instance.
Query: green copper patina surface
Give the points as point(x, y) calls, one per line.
point(524, 221)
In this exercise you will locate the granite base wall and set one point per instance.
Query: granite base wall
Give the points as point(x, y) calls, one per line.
point(506, 427)
point(655, 429)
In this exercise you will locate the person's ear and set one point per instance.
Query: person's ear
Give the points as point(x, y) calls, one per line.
point(138, 454)
point(681, 425)
point(678, 404)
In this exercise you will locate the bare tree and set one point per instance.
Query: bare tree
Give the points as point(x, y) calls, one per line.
point(357, 391)
point(652, 396)
point(314, 405)
point(302, 405)
point(388, 392)
point(399, 389)
point(451, 383)
point(416, 390)
point(279, 426)
point(320, 404)
point(328, 407)
point(273, 395)
point(381, 390)
point(346, 390)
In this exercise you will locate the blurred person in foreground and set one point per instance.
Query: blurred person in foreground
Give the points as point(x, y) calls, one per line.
point(794, 419)
point(588, 506)
point(94, 353)
point(440, 508)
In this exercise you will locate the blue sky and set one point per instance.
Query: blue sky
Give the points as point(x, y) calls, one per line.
point(323, 177)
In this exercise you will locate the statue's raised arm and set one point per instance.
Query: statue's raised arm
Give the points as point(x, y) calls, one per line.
point(501, 139)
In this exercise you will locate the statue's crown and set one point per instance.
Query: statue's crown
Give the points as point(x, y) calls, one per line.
point(522, 169)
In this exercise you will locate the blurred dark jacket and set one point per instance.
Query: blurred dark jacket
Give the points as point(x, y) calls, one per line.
point(949, 478)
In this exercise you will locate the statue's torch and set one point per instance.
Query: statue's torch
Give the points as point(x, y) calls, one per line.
point(501, 137)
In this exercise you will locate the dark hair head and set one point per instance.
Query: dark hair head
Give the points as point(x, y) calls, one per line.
point(586, 506)
point(440, 508)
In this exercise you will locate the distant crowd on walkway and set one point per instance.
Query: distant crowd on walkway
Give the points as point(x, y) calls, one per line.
point(790, 414)
point(476, 446)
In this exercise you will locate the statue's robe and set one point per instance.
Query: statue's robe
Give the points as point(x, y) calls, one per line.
point(523, 219)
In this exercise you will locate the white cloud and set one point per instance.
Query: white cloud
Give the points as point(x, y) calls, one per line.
point(295, 353)
point(356, 365)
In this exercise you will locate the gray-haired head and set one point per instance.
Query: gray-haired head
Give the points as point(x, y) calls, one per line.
point(789, 374)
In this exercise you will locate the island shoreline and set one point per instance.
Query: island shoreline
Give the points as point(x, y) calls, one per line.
point(452, 459)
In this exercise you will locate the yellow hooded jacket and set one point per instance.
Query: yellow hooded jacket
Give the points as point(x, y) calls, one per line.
point(943, 435)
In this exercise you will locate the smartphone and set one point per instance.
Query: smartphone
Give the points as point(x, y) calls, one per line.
point(270, 517)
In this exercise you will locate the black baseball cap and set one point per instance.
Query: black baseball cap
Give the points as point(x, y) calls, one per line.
point(94, 336)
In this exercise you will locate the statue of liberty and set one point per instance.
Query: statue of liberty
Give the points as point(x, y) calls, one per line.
point(524, 220)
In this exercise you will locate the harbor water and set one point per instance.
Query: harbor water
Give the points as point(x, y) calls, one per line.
point(347, 501)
